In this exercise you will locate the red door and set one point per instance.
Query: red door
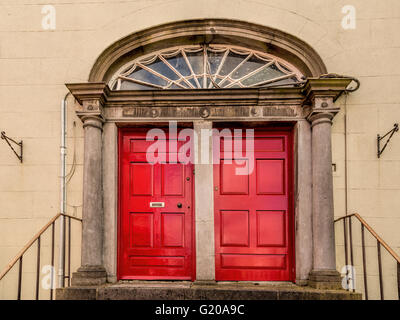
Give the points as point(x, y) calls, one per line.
point(253, 215)
point(156, 223)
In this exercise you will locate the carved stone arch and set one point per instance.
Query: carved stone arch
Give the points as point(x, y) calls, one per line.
point(222, 31)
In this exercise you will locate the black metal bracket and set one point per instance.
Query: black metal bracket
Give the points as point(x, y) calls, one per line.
point(379, 139)
point(8, 140)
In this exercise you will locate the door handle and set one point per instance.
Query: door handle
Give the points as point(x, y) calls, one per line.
point(179, 205)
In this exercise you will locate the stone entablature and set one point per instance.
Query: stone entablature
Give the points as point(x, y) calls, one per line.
point(282, 104)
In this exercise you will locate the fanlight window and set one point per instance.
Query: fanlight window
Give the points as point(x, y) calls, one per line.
point(201, 67)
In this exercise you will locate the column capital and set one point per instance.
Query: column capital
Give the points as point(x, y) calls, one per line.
point(322, 109)
point(92, 120)
point(316, 118)
point(320, 95)
point(90, 100)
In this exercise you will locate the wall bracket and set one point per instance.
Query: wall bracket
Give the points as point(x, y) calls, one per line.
point(19, 144)
point(390, 134)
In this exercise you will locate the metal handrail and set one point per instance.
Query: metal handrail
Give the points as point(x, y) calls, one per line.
point(37, 238)
point(380, 242)
point(372, 231)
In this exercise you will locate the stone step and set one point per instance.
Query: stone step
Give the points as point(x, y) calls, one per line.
point(151, 290)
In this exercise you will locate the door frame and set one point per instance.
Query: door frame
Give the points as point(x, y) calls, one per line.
point(121, 132)
point(264, 127)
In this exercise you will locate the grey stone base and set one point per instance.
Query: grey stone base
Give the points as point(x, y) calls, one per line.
point(325, 280)
point(89, 276)
point(193, 291)
point(77, 293)
point(302, 282)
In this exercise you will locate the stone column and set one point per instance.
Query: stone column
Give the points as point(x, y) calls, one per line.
point(110, 199)
point(304, 236)
point(204, 203)
point(92, 271)
point(324, 274)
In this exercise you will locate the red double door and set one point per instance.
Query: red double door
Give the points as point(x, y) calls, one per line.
point(156, 220)
point(253, 239)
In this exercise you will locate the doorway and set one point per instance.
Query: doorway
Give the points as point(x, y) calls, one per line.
point(156, 210)
point(253, 209)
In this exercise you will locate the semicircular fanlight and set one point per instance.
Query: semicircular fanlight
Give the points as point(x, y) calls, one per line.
point(205, 67)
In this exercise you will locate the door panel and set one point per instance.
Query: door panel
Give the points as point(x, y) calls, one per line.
point(234, 228)
point(172, 229)
point(155, 241)
point(141, 230)
point(143, 173)
point(231, 183)
point(270, 176)
point(253, 212)
point(172, 179)
point(271, 228)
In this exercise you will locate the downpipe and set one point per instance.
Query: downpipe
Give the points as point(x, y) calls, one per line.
point(63, 192)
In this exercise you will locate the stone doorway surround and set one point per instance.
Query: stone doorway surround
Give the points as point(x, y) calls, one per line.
point(308, 108)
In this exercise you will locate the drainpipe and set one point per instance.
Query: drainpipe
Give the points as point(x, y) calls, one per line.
point(63, 190)
point(346, 189)
point(346, 172)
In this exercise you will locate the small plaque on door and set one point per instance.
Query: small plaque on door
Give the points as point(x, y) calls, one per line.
point(157, 204)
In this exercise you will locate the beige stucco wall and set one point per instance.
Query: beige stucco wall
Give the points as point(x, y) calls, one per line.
point(35, 64)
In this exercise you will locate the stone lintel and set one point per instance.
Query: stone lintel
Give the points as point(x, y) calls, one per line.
point(189, 97)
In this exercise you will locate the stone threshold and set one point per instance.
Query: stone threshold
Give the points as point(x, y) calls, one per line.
point(186, 290)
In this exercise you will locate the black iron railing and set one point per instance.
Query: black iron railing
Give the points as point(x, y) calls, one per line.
point(349, 252)
point(66, 245)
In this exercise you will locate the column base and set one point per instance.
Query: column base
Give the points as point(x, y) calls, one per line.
point(89, 276)
point(325, 280)
point(302, 282)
